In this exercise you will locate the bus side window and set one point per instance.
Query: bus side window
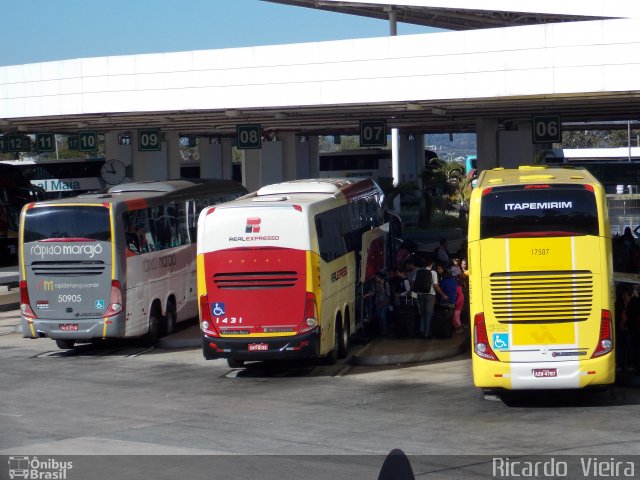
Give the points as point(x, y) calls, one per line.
point(131, 235)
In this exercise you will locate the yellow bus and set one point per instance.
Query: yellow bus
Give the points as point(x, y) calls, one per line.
point(541, 280)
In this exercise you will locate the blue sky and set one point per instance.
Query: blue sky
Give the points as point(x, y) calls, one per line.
point(44, 30)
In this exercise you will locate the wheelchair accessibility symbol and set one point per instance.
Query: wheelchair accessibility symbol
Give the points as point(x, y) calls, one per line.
point(218, 309)
point(99, 304)
point(501, 341)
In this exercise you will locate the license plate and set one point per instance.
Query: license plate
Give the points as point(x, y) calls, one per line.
point(256, 347)
point(68, 327)
point(545, 372)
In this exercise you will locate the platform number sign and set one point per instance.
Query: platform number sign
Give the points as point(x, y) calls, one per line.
point(72, 142)
point(17, 143)
point(249, 136)
point(373, 133)
point(45, 142)
point(546, 129)
point(149, 140)
point(87, 141)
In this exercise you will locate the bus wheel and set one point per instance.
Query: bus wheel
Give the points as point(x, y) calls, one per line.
point(154, 328)
point(343, 340)
point(170, 321)
point(65, 344)
point(235, 363)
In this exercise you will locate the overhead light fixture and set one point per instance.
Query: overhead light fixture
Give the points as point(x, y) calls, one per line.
point(231, 113)
point(414, 106)
point(103, 120)
point(22, 128)
point(82, 125)
point(281, 115)
point(3, 122)
point(438, 111)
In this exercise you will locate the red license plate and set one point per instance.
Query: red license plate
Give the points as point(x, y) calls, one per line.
point(68, 327)
point(257, 347)
point(545, 372)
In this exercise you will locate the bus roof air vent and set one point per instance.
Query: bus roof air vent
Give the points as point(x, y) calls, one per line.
point(271, 198)
point(529, 178)
point(532, 167)
point(318, 185)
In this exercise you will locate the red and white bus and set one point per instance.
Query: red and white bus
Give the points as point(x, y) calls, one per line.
point(280, 270)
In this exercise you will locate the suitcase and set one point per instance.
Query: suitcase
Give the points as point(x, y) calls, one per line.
point(405, 320)
point(441, 323)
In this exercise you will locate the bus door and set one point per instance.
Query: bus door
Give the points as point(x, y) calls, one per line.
point(67, 267)
point(543, 272)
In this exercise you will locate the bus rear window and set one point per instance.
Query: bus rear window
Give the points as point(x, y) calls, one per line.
point(549, 210)
point(42, 223)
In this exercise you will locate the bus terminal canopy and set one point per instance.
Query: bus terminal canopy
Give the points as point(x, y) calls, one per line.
point(468, 14)
point(584, 67)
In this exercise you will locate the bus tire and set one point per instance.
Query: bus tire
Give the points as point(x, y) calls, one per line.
point(235, 363)
point(343, 339)
point(170, 320)
point(65, 344)
point(154, 328)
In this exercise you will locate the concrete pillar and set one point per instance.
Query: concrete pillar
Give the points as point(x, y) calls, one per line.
point(303, 158)
point(210, 158)
point(395, 156)
point(289, 155)
point(174, 159)
point(148, 165)
point(271, 163)
point(487, 143)
point(227, 158)
point(314, 156)
point(515, 147)
point(419, 158)
point(411, 157)
point(251, 169)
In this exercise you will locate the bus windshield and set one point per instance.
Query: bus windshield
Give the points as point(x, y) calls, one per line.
point(538, 210)
point(72, 222)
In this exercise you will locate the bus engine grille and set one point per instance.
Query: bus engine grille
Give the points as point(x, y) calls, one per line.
point(542, 297)
point(253, 280)
point(70, 268)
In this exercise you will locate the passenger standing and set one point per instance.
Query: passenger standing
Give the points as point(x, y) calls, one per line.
point(410, 270)
point(381, 293)
point(426, 293)
point(459, 306)
point(441, 254)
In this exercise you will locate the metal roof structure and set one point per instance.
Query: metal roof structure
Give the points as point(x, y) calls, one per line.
point(583, 68)
point(463, 15)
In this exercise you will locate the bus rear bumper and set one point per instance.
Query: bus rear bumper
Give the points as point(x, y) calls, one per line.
point(266, 348)
point(546, 375)
point(84, 329)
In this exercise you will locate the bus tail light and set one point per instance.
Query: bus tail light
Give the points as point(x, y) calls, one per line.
point(481, 339)
point(205, 316)
point(25, 305)
point(605, 341)
point(115, 300)
point(310, 320)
